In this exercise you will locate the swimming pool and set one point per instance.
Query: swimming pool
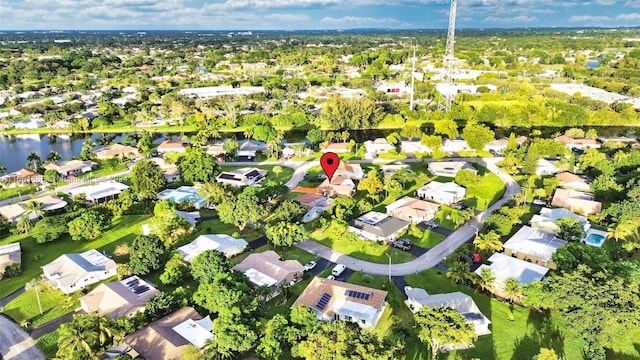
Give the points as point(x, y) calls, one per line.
point(595, 237)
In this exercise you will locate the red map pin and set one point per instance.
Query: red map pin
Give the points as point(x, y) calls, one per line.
point(329, 162)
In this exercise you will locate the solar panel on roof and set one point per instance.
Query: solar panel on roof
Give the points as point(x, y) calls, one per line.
point(357, 294)
point(324, 300)
point(227, 176)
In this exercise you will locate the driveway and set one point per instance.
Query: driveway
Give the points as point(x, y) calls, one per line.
point(441, 230)
point(400, 283)
point(15, 343)
point(5, 300)
point(321, 265)
point(51, 325)
point(417, 251)
point(262, 241)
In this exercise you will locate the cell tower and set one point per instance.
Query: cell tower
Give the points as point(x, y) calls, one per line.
point(448, 58)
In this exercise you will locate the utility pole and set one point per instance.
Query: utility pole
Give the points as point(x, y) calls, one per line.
point(413, 74)
point(389, 256)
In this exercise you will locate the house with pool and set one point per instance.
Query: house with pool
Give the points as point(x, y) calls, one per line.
point(183, 194)
point(533, 245)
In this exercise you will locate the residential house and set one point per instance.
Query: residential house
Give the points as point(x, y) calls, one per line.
point(377, 226)
point(61, 124)
point(22, 176)
point(413, 147)
point(335, 300)
point(9, 254)
point(576, 201)
point(399, 88)
point(633, 143)
point(581, 144)
point(504, 267)
point(572, 181)
point(72, 167)
point(498, 146)
point(390, 169)
point(100, 192)
point(223, 243)
point(450, 168)
point(546, 168)
point(210, 92)
point(249, 148)
point(337, 186)
point(336, 148)
point(533, 245)
point(349, 171)
point(170, 146)
point(412, 210)
point(183, 194)
point(216, 149)
point(463, 303)
point(547, 218)
point(119, 298)
point(266, 269)
point(455, 146)
point(31, 124)
point(115, 151)
point(168, 337)
point(376, 147)
point(242, 177)
point(72, 272)
point(48, 204)
point(442, 193)
point(171, 171)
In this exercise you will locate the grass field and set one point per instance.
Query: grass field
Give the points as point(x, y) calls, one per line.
point(25, 191)
point(486, 192)
point(54, 304)
point(48, 344)
point(104, 170)
point(428, 240)
point(360, 249)
point(123, 230)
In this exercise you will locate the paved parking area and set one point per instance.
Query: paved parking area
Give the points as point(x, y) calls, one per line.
point(15, 343)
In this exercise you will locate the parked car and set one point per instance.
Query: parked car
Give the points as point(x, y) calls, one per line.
point(331, 277)
point(539, 202)
point(431, 224)
point(402, 244)
point(310, 265)
point(476, 259)
point(459, 206)
point(338, 270)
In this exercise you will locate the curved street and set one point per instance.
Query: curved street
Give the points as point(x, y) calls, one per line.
point(15, 343)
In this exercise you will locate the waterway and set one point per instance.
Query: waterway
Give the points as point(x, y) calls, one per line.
point(15, 149)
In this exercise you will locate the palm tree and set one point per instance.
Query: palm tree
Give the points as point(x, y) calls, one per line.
point(248, 133)
point(33, 207)
point(487, 279)
point(3, 170)
point(24, 225)
point(74, 340)
point(623, 230)
point(344, 136)
point(458, 273)
point(102, 327)
point(277, 170)
point(512, 289)
point(488, 242)
point(35, 285)
point(33, 160)
point(53, 157)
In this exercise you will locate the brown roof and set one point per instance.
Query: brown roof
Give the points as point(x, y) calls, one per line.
point(336, 289)
point(115, 150)
point(567, 177)
point(336, 185)
point(336, 147)
point(158, 340)
point(571, 141)
point(114, 299)
point(576, 201)
point(415, 208)
point(170, 144)
point(269, 263)
point(70, 165)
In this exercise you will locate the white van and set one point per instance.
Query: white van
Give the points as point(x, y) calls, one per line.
point(338, 270)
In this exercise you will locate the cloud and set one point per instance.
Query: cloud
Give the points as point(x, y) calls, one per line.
point(589, 19)
point(287, 17)
point(517, 19)
point(628, 17)
point(633, 3)
point(355, 21)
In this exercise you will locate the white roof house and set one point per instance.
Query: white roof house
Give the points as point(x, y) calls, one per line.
point(442, 193)
point(224, 243)
point(9, 254)
point(504, 267)
point(450, 168)
point(547, 218)
point(197, 332)
point(378, 146)
point(14, 212)
point(215, 91)
point(463, 303)
point(377, 226)
point(242, 177)
point(100, 192)
point(72, 272)
point(72, 167)
point(249, 148)
point(412, 147)
point(546, 167)
point(454, 146)
point(533, 245)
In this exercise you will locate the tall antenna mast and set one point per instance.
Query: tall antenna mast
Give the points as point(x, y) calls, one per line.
point(413, 73)
point(448, 58)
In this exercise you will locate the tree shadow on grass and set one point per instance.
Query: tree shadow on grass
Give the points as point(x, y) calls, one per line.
point(545, 334)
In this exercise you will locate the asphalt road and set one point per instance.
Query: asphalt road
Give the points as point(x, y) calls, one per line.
point(15, 343)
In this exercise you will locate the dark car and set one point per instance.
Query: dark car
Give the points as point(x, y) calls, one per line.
point(430, 224)
point(475, 258)
point(402, 244)
point(459, 206)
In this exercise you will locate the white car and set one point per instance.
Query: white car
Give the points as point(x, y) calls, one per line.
point(331, 277)
point(310, 265)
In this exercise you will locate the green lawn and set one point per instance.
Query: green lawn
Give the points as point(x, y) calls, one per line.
point(54, 304)
point(48, 343)
point(104, 169)
point(123, 230)
point(519, 338)
point(428, 240)
point(444, 216)
point(360, 249)
point(18, 191)
point(486, 192)
point(218, 227)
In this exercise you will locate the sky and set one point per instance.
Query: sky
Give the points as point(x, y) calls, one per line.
point(310, 14)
